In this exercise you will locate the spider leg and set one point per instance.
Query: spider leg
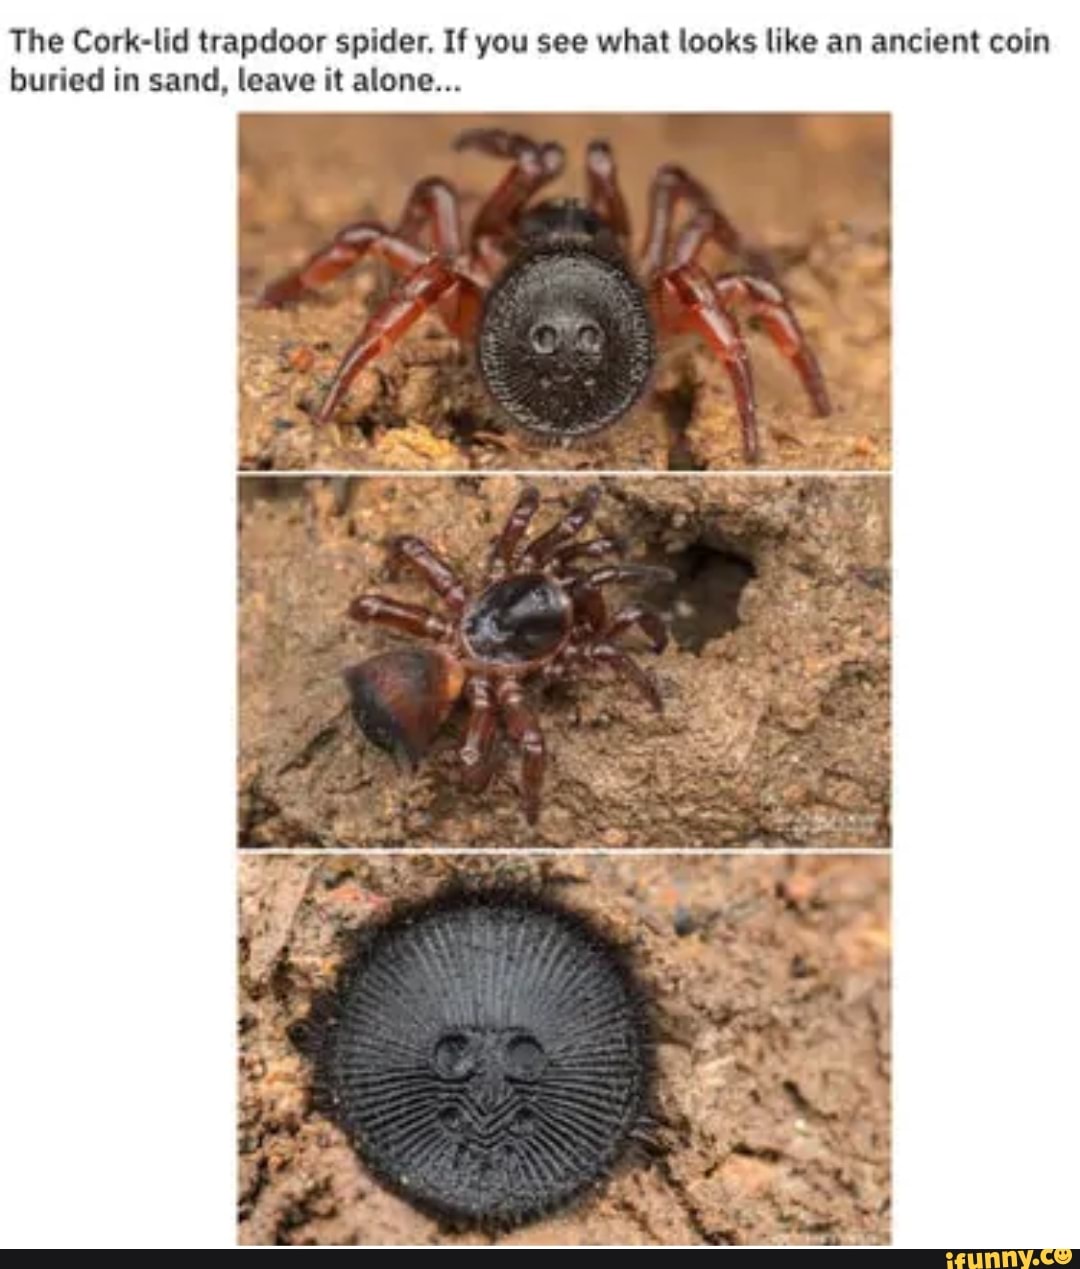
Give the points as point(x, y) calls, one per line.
point(534, 166)
point(564, 530)
point(648, 621)
point(433, 282)
point(523, 729)
point(605, 196)
point(591, 550)
point(347, 248)
point(766, 301)
point(505, 547)
point(431, 566)
point(589, 606)
point(628, 668)
point(407, 618)
point(432, 203)
point(711, 225)
point(477, 753)
point(619, 573)
point(686, 300)
point(670, 186)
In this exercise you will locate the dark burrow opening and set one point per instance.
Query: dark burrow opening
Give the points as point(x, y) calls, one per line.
point(702, 603)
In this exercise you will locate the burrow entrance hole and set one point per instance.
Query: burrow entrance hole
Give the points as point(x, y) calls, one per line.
point(702, 604)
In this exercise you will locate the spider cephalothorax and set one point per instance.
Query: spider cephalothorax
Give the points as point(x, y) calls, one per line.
point(565, 323)
point(536, 616)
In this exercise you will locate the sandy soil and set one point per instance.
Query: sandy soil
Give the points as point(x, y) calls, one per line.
point(812, 190)
point(776, 685)
point(768, 978)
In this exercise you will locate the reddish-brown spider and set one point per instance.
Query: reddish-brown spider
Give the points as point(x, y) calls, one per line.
point(564, 328)
point(536, 617)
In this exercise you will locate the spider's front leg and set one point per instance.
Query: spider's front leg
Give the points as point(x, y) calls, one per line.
point(589, 601)
point(504, 550)
point(605, 196)
point(670, 186)
point(594, 549)
point(534, 166)
point(620, 573)
point(685, 299)
point(410, 619)
point(348, 247)
point(434, 283)
point(524, 730)
point(563, 531)
point(432, 205)
point(431, 566)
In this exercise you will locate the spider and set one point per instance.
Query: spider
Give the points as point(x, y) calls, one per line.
point(565, 330)
point(536, 616)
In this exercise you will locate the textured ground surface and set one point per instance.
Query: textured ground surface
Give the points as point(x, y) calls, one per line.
point(813, 190)
point(769, 983)
point(775, 732)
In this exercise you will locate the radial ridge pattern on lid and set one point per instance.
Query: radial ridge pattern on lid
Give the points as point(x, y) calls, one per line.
point(489, 1058)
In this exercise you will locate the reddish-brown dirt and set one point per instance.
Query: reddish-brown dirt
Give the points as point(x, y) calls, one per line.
point(768, 983)
point(811, 189)
point(776, 683)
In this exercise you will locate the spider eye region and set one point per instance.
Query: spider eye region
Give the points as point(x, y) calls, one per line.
point(566, 344)
point(521, 619)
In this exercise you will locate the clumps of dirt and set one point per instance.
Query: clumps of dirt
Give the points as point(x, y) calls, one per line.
point(776, 683)
point(768, 984)
point(811, 190)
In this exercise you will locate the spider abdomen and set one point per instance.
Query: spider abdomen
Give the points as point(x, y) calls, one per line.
point(401, 698)
point(489, 1057)
point(566, 343)
point(522, 619)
